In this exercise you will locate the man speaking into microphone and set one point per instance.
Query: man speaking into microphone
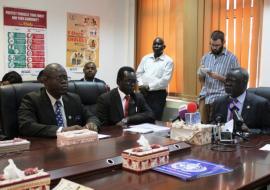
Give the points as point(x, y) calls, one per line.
point(242, 105)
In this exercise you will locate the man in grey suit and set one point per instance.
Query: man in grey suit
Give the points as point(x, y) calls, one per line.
point(254, 109)
point(122, 106)
point(52, 109)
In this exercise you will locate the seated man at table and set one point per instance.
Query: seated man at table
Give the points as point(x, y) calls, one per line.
point(90, 71)
point(122, 106)
point(253, 109)
point(52, 109)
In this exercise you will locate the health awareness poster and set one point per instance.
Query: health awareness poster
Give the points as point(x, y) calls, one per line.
point(25, 40)
point(82, 41)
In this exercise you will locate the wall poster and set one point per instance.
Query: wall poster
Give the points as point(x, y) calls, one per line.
point(25, 40)
point(82, 41)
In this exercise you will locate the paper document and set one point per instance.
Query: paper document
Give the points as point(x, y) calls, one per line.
point(139, 130)
point(148, 128)
point(102, 136)
point(266, 147)
point(228, 127)
point(65, 184)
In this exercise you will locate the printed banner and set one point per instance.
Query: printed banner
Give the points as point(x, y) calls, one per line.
point(25, 38)
point(82, 41)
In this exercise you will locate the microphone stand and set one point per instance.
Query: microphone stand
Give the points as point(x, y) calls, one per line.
point(237, 125)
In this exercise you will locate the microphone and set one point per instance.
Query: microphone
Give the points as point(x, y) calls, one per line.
point(192, 107)
point(219, 119)
point(192, 116)
point(237, 117)
point(181, 113)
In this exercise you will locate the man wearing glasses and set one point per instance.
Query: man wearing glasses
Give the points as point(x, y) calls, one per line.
point(214, 67)
point(52, 109)
point(122, 106)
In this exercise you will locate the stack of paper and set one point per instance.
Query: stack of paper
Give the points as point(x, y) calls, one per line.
point(15, 145)
point(149, 128)
point(190, 169)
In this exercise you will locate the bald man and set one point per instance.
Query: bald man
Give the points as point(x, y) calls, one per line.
point(90, 71)
point(154, 74)
point(52, 109)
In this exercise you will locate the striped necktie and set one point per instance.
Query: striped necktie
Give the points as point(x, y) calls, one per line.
point(58, 114)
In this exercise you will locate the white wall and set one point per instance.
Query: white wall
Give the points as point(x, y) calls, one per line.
point(117, 31)
point(264, 79)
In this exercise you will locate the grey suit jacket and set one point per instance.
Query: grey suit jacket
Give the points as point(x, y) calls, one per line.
point(110, 110)
point(37, 118)
point(255, 110)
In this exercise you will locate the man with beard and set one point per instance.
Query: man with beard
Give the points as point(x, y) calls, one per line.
point(214, 67)
point(154, 74)
point(122, 106)
point(254, 109)
point(52, 109)
point(90, 71)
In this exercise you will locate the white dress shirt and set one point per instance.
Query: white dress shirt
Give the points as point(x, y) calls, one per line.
point(156, 73)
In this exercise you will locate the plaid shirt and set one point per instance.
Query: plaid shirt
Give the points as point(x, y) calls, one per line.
point(221, 64)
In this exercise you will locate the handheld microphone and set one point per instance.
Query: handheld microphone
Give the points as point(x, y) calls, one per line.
point(181, 113)
point(192, 107)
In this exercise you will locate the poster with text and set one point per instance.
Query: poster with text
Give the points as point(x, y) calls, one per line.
point(82, 41)
point(25, 40)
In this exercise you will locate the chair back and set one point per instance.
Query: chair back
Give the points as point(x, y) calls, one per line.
point(11, 96)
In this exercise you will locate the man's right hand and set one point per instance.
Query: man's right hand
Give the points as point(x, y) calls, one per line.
point(72, 128)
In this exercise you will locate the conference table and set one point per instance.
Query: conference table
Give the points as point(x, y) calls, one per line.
point(98, 165)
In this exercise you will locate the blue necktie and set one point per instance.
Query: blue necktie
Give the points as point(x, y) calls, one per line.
point(58, 114)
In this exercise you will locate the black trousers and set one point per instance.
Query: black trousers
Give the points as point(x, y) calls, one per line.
point(156, 101)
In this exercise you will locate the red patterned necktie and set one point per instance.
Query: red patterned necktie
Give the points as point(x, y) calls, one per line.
point(126, 105)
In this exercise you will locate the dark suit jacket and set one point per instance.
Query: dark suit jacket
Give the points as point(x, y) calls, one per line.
point(255, 111)
point(37, 118)
point(110, 109)
point(95, 80)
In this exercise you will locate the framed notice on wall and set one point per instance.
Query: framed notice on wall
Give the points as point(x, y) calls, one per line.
point(82, 41)
point(25, 40)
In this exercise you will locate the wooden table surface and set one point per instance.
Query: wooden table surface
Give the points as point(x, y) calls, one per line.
point(251, 169)
point(86, 164)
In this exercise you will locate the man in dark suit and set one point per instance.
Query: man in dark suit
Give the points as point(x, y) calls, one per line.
point(122, 106)
point(52, 109)
point(253, 109)
point(90, 71)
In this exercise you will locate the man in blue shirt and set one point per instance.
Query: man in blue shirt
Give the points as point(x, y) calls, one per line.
point(214, 67)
